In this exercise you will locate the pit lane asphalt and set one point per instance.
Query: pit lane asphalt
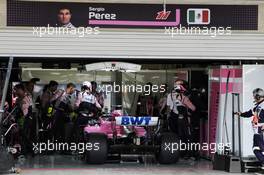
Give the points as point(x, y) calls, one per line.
point(72, 165)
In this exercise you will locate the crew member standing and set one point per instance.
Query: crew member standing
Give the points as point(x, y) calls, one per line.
point(98, 95)
point(47, 101)
point(257, 114)
point(147, 103)
point(178, 104)
point(63, 108)
point(24, 118)
point(87, 102)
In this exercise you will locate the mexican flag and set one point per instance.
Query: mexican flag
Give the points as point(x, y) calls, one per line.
point(198, 16)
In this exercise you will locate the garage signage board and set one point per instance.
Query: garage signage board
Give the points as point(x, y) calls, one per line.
point(107, 15)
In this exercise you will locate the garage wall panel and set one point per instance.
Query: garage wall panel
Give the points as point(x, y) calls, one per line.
point(132, 44)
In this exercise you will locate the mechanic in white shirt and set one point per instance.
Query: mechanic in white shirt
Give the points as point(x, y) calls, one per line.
point(86, 99)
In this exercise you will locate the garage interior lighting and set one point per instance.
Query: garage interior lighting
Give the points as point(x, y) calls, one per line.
point(113, 66)
point(48, 70)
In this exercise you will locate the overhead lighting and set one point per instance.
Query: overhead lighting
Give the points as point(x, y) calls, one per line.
point(155, 77)
point(55, 73)
point(48, 70)
point(113, 66)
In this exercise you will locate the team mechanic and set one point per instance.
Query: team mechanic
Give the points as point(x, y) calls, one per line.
point(258, 124)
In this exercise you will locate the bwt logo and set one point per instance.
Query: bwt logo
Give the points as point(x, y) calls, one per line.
point(135, 120)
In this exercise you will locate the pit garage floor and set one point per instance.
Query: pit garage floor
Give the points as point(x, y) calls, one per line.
point(70, 165)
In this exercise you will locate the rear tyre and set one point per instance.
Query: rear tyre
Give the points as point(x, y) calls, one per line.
point(165, 154)
point(99, 148)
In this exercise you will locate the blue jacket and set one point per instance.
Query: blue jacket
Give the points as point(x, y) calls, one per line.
point(259, 108)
